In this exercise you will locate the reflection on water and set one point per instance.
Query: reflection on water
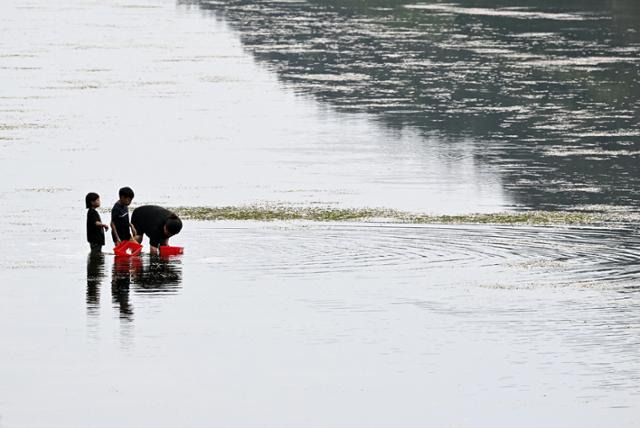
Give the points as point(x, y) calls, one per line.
point(549, 92)
point(95, 275)
point(158, 275)
point(120, 283)
point(149, 274)
point(196, 89)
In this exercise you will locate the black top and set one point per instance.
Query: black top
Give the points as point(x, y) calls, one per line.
point(95, 234)
point(120, 218)
point(150, 219)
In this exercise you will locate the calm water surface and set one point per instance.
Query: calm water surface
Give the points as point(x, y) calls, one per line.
point(443, 108)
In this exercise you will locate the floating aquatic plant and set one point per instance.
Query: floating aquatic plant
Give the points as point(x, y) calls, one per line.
point(310, 213)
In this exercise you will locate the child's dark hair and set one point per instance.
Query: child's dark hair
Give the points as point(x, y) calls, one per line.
point(127, 192)
point(88, 200)
point(174, 224)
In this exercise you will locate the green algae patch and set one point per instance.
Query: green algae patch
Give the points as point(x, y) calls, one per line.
point(533, 217)
point(328, 214)
point(281, 213)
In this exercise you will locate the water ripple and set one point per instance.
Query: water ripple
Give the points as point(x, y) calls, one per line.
point(485, 255)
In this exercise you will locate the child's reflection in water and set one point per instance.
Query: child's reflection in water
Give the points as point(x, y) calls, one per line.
point(95, 275)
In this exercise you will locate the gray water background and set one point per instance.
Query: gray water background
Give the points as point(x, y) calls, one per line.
point(544, 94)
point(319, 324)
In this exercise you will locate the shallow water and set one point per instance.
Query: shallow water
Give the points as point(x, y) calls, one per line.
point(90, 107)
point(304, 323)
point(328, 325)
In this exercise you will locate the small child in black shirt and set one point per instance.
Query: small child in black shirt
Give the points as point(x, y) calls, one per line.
point(95, 227)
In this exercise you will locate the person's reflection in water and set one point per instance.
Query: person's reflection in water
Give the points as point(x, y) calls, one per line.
point(159, 275)
point(120, 283)
point(95, 275)
point(151, 274)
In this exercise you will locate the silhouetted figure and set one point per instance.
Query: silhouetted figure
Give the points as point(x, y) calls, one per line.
point(95, 227)
point(158, 223)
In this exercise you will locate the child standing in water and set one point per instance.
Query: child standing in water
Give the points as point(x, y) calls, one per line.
point(121, 228)
point(95, 227)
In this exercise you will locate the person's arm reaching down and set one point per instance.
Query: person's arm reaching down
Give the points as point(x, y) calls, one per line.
point(134, 233)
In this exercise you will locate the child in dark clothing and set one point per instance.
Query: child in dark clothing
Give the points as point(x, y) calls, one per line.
point(95, 227)
point(121, 228)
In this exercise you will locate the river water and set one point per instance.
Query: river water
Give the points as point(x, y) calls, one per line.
point(545, 98)
point(463, 107)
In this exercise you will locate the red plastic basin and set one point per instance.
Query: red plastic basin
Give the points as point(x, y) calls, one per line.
point(127, 249)
point(167, 250)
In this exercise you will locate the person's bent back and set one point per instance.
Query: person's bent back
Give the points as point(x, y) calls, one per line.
point(158, 223)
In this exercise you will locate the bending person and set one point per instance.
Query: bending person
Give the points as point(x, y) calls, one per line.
point(158, 223)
